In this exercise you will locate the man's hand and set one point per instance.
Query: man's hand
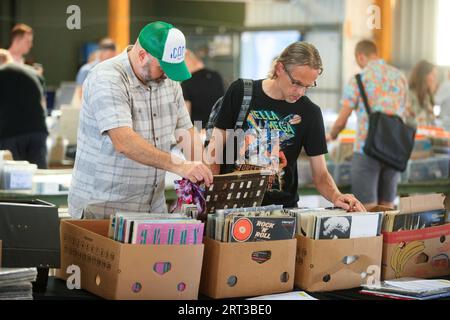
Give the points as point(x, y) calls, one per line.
point(196, 172)
point(348, 202)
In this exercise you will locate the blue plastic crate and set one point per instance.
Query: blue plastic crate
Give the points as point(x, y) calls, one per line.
point(433, 168)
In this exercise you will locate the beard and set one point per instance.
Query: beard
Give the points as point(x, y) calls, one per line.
point(147, 76)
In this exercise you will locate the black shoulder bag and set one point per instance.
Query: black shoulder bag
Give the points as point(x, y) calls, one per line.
point(389, 139)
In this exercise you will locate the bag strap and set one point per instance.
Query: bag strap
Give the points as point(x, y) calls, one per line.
point(245, 104)
point(363, 93)
point(213, 115)
point(246, 99)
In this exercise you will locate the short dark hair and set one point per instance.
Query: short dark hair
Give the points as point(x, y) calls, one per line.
point(106, 44)
point(366, 47)
point(20, 30)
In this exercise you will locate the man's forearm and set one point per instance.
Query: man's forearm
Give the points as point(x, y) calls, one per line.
point(136, 148)
point(327, 187)
point(341, 121)
point(196, 146)
point(337, 128)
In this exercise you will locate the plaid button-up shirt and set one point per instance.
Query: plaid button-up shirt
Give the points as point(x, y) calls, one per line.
point(105, 181)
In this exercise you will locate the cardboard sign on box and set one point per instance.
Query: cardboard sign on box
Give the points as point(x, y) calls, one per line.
point(328, 265)
point(418, 253)
point(114, 270)
point(233, 270)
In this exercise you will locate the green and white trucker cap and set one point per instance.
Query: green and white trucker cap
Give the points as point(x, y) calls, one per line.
point(167, 44)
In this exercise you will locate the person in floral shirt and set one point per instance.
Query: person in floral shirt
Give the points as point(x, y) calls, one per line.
point(373, 183)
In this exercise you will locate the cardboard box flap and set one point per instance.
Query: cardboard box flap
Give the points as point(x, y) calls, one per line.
point(421, 203)
point(380, 209)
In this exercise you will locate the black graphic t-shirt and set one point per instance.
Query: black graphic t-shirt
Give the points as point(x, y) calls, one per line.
point(271, 123)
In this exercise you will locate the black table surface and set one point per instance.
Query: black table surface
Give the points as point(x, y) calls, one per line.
point(57, 290)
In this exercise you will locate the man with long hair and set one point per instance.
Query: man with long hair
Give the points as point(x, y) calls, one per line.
point(280, 122)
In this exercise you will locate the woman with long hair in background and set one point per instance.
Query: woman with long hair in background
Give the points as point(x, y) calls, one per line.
point(423, 84)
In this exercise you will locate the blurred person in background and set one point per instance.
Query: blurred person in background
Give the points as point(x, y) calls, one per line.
point(442, 97)
point(106, 50)
point(373, 182)
point(21, 42)
point(23, 130)
point(423, 84)
point(22, 37)
point(202, 90)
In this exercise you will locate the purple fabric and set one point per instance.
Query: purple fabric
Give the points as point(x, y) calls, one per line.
point(190, 193)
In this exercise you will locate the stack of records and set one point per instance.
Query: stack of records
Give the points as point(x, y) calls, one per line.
point(409, 289)
point(251, 224)
point(322, 224)
point(152, 228)
point(15, 283)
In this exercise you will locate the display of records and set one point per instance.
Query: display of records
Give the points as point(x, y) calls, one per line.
point(241, 189)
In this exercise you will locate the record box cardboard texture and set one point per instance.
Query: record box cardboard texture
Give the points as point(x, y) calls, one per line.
point(422, 253)
point(114, 270)
point(328, 265)
point(422, 202)
point(247, 269)
point(418, 253)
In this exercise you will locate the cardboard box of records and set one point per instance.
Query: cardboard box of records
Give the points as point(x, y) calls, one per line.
point(416, 240)
point(248, 252)
point(115, 270)
point(337, 250)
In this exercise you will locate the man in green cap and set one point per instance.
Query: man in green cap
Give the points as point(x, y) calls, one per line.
point(130, 112)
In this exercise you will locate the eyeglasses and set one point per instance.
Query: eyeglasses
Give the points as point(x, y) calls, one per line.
point(297, 84)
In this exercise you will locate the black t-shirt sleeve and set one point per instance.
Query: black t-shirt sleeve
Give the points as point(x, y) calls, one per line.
point(231, 105)
point(186, 90)
point(316, 143)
